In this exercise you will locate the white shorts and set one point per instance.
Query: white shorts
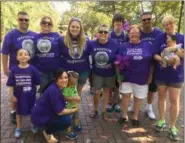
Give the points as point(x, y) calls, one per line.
point(139, 91)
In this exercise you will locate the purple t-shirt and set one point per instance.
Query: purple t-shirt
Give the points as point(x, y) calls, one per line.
point(47, 52)
point(123, 37)
point(169, 74)
point(72, 59)
point(15, 40)
point(103, 56)
point(150, 37)
point(48, 106)
point(139, 57)
point(24, 81)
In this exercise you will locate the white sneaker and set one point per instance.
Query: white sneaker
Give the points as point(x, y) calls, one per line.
point(150, 113)
point(131, 107)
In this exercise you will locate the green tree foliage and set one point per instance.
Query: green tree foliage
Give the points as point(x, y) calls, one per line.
point(36, 11)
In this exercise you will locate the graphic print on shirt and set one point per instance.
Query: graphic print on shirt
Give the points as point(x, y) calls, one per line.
point(28, 45)
point(24, 81)
point(101, 59)
point(74, 52)
point(136, 53)
point(44, 45)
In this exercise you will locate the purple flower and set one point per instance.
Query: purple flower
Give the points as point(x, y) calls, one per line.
point(123, 61)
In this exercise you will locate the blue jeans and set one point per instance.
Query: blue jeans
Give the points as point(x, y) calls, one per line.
point(61, 123)
point(45, 78)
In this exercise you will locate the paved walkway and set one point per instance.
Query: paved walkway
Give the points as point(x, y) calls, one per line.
point(94, 131)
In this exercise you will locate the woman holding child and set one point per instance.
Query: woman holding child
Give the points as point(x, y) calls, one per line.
point(50, 110)
point(171, 76)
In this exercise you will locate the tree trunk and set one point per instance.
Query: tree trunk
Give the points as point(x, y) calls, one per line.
point(180, 17)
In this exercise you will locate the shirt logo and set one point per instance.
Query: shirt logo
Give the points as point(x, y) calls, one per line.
point(44, 45)
point(137, 57)
point(28, 45)
point(101, 58)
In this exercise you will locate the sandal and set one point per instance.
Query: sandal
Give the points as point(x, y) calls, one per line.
point(94, 114)
point(105, 116)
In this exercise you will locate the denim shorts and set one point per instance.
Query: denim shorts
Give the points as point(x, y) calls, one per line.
point(173, 84)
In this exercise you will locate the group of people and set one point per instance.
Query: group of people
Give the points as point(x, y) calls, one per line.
point(137, 62)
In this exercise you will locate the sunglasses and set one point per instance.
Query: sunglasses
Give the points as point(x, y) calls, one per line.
point(147, 19)
point(103, 32)
point(21, 19)
point(46, 23)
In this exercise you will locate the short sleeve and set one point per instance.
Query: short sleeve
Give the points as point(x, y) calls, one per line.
point(6, 44)
point(156, 45)
point(11, 79)
point(36, 76)
point(65, 92)
point(56, 100)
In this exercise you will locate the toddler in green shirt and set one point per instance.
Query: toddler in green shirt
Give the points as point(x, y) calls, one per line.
point(71, 96)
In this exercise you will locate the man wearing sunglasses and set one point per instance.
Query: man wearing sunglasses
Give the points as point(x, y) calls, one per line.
point(15, 39)
point(149, 34)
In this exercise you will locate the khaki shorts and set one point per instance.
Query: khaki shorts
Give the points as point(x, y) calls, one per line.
point(100, 82)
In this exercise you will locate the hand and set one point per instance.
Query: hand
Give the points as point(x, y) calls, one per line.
point(76, 109)
point(78, 99)
point(7, 72)
point(150, 79)
point(14, 99)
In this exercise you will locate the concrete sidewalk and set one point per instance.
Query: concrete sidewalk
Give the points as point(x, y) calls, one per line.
point(94, 130)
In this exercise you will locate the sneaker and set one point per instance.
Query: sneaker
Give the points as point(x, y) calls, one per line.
point(50, 138)
point(34, 129)
point(149, 112)
point(122, 120)
point(161, 124)
point(174, 134)
point(116, 108)
point(13, 118)
point(17, 132)
point(109, 108)
point(135, 123)
point(78, 128)
point(131, 107)
point(71, 135)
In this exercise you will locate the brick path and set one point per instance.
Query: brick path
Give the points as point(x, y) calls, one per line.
point(94, 131)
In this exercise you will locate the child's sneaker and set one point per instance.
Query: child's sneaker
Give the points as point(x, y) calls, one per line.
point(71, 135)
point(109, 108)
point(17, 132)
point(161, 124)
point(78, 128)
point(174, 134)
point(34, 129)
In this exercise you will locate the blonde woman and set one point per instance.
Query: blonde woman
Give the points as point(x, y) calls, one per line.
point(75, 55)
point(169, 78)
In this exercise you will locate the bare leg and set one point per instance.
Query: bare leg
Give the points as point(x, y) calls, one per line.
point(174, 94)
point(162, 101)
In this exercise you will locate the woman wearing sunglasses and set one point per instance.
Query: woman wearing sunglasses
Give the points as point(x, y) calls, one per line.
point(75, 55)
point(103, 51)
point(47, 51)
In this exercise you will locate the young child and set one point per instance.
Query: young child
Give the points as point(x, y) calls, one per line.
point(71, 95)
point(22, 84)
point(169, 53)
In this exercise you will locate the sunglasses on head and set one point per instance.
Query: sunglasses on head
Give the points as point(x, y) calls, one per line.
point(46, 23)
point(147, 19)
point(21, 19)
point(101, 32)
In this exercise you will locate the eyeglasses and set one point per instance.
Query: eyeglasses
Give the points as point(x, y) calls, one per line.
point(147, 19)
point(46, 23)
point(103, 32)
point(21, 19)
